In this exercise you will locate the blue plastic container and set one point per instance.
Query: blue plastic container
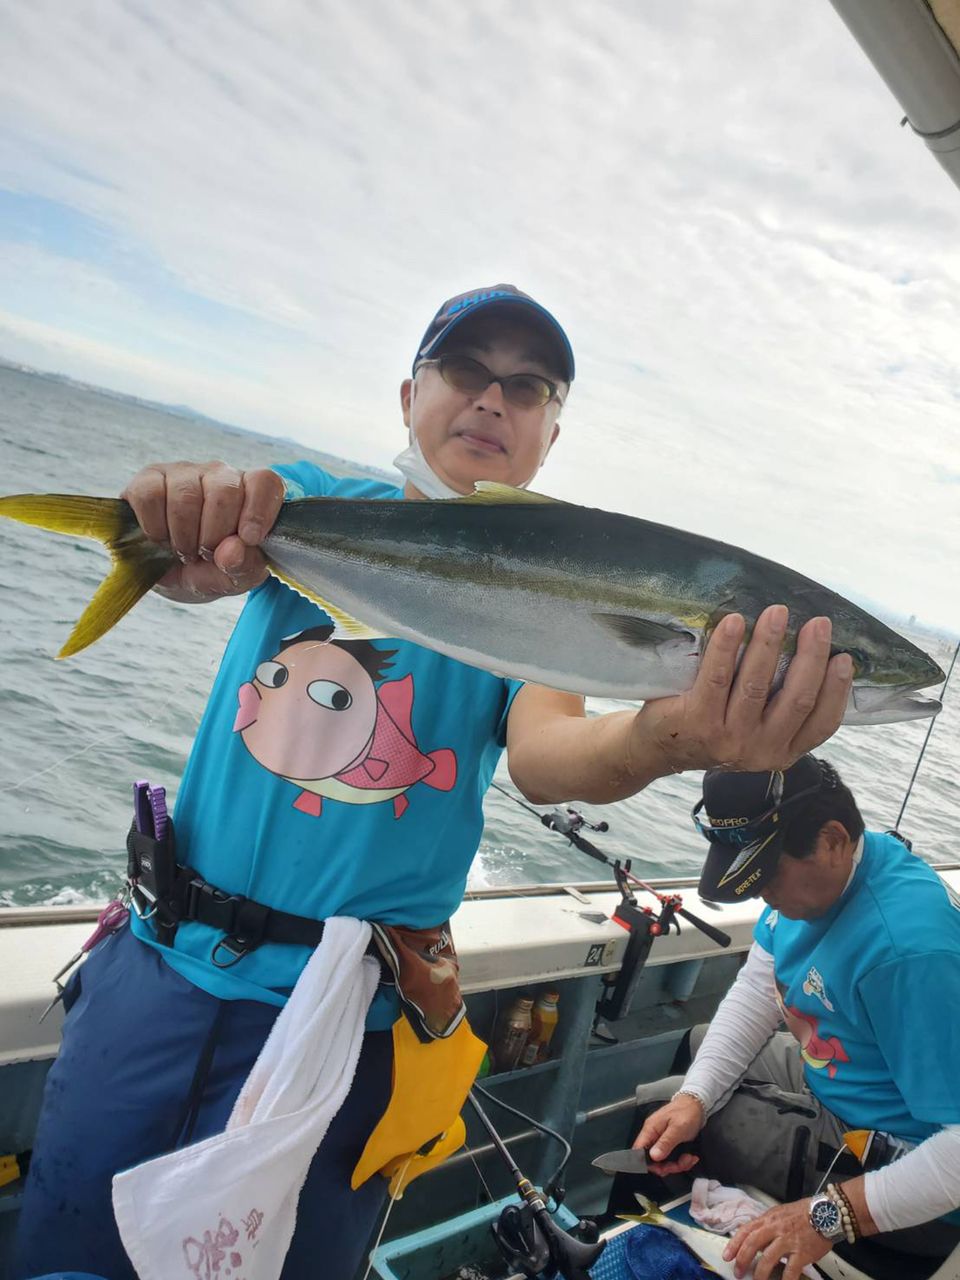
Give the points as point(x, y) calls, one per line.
point(438, 1251)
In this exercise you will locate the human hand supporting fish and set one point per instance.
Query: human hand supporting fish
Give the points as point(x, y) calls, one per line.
point(214, 518)
point(782, 1234)
point(728, 718)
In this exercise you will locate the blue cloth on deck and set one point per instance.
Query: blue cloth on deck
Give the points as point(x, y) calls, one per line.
point(648, 1252)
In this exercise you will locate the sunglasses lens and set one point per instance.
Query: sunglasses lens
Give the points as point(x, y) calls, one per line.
point(738, 839)
point(734, 837)
point(465, 375)
point(526, 390)
point(471, 378)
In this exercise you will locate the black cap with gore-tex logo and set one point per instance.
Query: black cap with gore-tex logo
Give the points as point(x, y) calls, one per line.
point(743, 817)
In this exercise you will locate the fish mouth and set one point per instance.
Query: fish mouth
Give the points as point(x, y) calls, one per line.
point(872, 704)
point(248, 698)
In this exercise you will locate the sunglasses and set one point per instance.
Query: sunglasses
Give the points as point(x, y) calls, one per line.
point(471, 378)
point(746, 833)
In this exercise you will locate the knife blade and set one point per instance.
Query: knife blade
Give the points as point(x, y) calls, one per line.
point(632, 1160)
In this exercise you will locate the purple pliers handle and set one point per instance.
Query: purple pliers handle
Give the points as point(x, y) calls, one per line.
point(150, 809)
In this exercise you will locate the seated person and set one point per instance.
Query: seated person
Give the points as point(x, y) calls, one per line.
point(858, 952)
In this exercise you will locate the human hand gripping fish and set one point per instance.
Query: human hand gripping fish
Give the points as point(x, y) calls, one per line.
point(548, 592)
point(214, 518)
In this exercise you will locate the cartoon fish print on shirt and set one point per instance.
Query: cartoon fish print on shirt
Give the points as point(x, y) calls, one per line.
point(314, 716)
point(818, 1052)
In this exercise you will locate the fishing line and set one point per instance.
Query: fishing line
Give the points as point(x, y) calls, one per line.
point(516, 800)
point(933, 721)
point(552, 1185)
point(391, 1201)
point(106, 736)
point(473, 1161)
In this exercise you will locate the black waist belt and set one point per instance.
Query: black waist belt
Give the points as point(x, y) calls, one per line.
point(173, 894)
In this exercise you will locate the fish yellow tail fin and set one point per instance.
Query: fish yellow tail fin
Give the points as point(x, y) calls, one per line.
point(651, 1214)
point(138, 563)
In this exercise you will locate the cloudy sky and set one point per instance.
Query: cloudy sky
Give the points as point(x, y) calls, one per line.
point(254, 209)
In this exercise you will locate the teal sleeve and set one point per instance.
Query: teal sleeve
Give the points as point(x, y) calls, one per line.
point(513, 687)
point(912, 1004)
point(303, 480)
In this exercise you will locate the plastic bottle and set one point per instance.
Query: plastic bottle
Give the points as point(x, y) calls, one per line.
point(544, 1023)
point(512, 1036)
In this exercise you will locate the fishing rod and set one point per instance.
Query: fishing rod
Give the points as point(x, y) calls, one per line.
point(641, 923)
point(569, 823)
point(933, 721)
point(529, 1239)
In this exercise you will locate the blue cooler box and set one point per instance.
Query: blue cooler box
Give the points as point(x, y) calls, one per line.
point(438, 1251)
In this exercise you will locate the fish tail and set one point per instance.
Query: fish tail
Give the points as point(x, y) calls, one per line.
point(651, 1213)
point(138, 563)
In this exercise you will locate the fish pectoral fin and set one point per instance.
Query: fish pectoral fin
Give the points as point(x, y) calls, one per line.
point(491, 492)
point(138, 563)
point(641, 633)
point(345, 625)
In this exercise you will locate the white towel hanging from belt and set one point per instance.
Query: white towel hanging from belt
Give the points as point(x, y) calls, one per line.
point(231, 1200)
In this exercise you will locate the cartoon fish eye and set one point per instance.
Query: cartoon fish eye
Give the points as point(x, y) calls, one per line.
point(329, 694)
point(272, 674)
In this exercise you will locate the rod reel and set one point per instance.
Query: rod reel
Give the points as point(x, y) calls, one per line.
point(527, 1236)
point(532, 1243)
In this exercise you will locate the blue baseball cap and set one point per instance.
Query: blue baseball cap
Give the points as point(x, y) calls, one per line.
point(465, 305)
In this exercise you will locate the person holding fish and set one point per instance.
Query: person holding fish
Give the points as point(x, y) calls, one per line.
point(334, 774)
point(850, 1117)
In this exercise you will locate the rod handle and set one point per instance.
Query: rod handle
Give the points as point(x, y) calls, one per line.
point(722, 939)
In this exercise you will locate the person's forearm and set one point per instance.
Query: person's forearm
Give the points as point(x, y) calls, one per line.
point(597, 760)
point(745, 1020)
point(920, 1186)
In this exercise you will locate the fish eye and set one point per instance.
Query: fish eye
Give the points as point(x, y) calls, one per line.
point(272, 674)
point(326, 693)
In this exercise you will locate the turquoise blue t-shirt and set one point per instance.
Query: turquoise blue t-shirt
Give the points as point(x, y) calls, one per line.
point(871, 991)
point(331, 779)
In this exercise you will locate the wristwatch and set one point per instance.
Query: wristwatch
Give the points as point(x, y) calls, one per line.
point(826, 1219)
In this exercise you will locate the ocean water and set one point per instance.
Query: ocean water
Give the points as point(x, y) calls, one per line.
point(74, 734)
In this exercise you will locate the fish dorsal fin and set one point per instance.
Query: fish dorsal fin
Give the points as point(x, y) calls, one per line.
point(346, 627)
point(641, 633)
point(396, 697)
point(492, 492)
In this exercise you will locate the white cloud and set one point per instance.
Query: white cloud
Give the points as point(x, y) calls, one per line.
point(758, 268)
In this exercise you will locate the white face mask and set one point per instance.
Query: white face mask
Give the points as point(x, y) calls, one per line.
point(413, 466)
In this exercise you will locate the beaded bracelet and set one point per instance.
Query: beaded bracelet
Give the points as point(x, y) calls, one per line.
point(857, 1233)
point(851, 1228)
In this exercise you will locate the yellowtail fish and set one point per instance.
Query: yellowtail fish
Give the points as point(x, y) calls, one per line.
point(518, 584)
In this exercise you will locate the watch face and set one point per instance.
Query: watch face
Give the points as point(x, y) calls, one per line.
point(825, 1217)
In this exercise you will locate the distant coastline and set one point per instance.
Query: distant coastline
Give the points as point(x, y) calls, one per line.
point(342, 465)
